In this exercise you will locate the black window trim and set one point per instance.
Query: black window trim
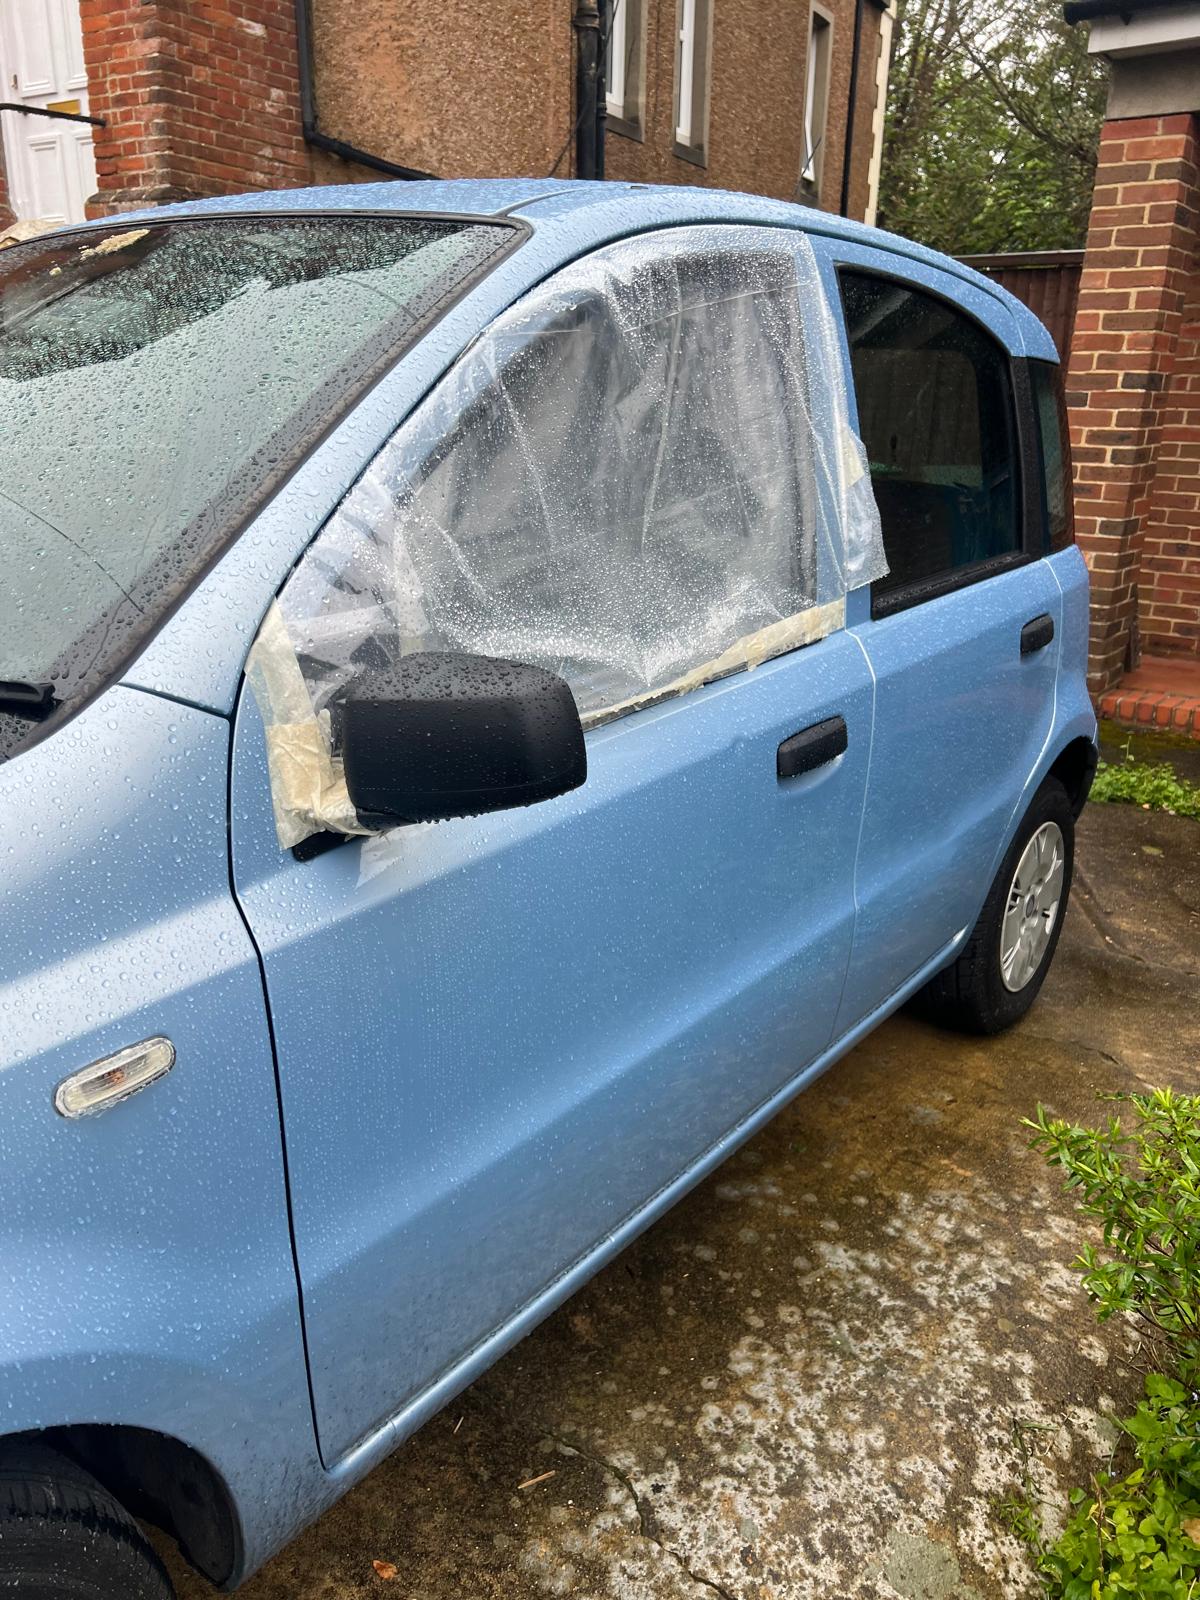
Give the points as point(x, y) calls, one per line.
point(313, 424)
point(920, 590)
point(1031, 531)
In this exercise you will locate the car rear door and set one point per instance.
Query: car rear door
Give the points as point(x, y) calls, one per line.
point(501, 1040)
point(963, 634)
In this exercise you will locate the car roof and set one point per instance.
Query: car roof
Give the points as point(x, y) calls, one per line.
point(591, 213)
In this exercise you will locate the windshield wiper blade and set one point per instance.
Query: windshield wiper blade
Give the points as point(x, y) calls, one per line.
point(34, 701)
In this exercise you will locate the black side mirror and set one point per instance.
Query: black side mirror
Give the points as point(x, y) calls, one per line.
point(440, 736)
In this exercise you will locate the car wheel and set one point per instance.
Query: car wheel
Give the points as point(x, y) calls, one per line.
point(64, 1537)
point(1001, 968)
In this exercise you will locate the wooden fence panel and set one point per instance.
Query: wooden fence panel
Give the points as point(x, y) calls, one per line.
point(1046, 280)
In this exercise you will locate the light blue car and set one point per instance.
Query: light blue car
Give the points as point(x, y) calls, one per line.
point(503, 684)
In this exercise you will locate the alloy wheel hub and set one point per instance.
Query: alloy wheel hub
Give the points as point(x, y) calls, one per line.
point(1031, 912)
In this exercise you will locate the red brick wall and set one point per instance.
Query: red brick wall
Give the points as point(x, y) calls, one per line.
point(198, 98)
point(1169, 574)
point(1136, 273)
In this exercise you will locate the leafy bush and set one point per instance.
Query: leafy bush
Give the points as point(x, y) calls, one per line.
point(1138, 1535)
point(1142, 1184)
point(1152, 784)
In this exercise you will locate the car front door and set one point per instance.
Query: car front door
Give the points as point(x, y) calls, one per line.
point(502, 1039)
point(964, 632)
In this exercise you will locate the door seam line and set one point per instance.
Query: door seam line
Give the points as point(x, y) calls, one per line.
point(283, 1150)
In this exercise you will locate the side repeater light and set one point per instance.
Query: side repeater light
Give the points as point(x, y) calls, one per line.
point(114, 1078)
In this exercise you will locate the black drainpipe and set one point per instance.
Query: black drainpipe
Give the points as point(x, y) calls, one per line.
point(848, 146)
point(589, 156)
point(308, 109)
point(604, 9)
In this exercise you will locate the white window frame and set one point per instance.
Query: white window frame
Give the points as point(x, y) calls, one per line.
point(818, 59)
point(624, 68)
point(693, 36)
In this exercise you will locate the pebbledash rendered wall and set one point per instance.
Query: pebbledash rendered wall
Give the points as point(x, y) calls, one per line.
point(1134, 393)
point(203, 98)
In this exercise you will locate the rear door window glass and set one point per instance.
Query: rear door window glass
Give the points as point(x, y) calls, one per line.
point(935, 413)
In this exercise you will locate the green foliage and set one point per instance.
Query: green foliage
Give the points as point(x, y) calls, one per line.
point(1137, 1535)
point(1142, 1184)
point(1144, 783)
point(993, 121)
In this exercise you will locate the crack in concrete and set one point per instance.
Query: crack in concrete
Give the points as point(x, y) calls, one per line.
point(1088, 902)
point(1081, 1045)
point(645, 1529)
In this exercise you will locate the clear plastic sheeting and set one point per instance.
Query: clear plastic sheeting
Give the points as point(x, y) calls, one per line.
point(641, 477)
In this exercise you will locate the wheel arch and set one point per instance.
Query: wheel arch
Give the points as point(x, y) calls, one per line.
point(1075, 767)
point(158, 1478)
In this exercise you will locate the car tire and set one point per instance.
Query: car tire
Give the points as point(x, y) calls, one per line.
point(996, 978)
point(64, 1537)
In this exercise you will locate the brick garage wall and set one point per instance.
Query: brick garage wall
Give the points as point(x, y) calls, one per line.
point(1169, 573)
point(1137, 271)
point(198, 99)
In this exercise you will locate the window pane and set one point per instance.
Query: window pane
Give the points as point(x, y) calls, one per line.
point(614, 56)
point(685, 75)
point(1056, 460)
point(936, 417)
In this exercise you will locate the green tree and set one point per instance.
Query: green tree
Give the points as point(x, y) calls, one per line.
point(993, 119)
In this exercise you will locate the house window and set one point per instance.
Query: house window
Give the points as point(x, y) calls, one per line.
point(816, 102)
point(691, 80)
point(623, 67)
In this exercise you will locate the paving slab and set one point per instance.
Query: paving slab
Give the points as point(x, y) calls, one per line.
point(809, 1380)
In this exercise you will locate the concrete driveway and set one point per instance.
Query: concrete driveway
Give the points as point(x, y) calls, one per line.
point(804, 1382)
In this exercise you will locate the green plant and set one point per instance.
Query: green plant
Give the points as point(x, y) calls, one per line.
point(993, 123)
point(1145, 783)
point(1142, 1184)
point(1137, 1535)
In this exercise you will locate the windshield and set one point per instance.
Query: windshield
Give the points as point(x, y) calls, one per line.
point(157, 381)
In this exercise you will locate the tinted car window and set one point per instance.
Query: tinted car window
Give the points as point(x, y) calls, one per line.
point(156, 381)
point(1056, 456)
point(936, 416)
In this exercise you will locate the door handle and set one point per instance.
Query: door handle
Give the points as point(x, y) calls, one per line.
point(811, 747)
point(1036, 635)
